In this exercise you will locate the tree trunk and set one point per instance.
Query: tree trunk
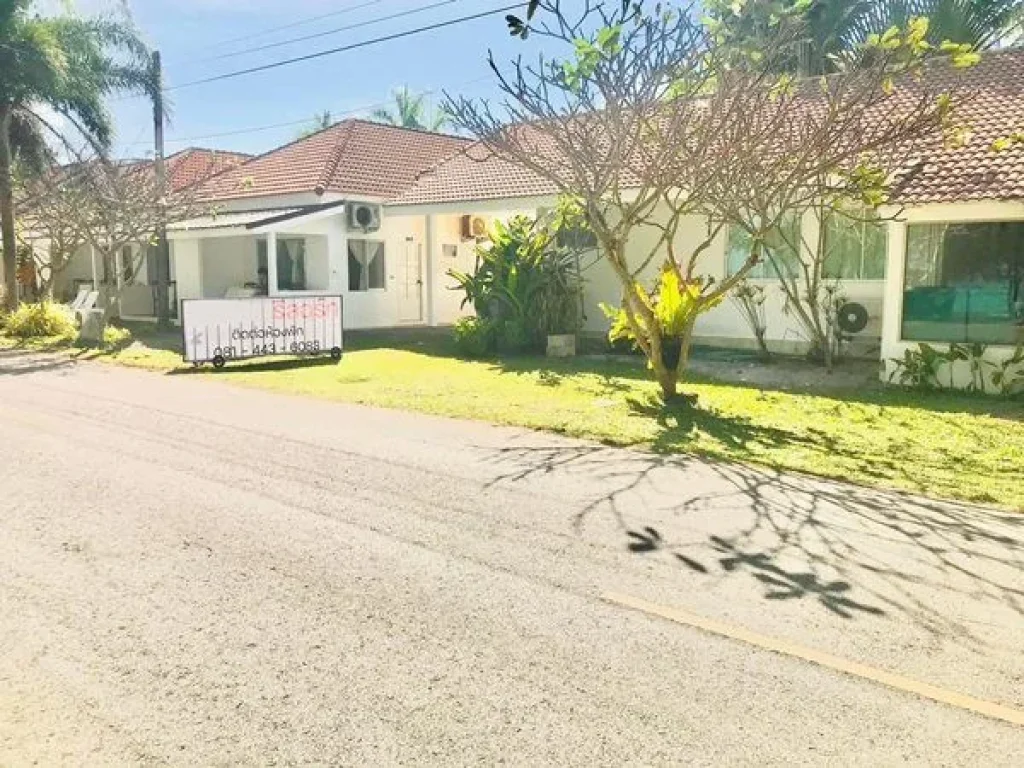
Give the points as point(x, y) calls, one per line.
point(8, 241)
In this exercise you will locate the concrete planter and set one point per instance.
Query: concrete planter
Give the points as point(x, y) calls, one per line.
point(562, 345)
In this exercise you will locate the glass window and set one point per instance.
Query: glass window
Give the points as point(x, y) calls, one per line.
point(781, 248)
point(964, 283)
point(366, 265)
point(855, 248)
point(291, 263)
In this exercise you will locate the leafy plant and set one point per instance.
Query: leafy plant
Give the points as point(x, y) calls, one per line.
point(525, 284)
point(116, 338)
point(513, 337)
point(749, 300)
point(1008, 375)
point(674, 304)
point(920, 368)
point(474, 337)
point(43, 320)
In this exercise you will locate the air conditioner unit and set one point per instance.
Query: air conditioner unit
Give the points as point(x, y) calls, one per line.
point(363, 217)
point(860, 317)
point(474, 227)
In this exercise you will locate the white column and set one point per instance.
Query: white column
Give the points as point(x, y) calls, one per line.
point(272, 289)
point(430, 283)
point(119, 277)
point(95, 275)
point(188, 273)
point(892, 302)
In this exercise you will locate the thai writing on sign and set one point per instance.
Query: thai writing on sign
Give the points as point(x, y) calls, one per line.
point(234, 329)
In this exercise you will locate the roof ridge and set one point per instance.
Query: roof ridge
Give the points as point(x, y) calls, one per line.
point(331, 166)
point(412, 129)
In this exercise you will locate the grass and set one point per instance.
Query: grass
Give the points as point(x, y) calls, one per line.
point(944, 445)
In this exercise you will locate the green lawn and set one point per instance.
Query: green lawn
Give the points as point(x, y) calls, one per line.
point(940, 445)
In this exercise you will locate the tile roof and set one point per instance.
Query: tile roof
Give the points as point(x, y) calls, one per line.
point(992, 104)
point(194, 165)
point(352, 157)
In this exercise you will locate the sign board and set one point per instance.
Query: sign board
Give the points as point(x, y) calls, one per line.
point(218, 330)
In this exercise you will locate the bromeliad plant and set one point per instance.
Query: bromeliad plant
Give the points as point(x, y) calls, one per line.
point(525, 285)
point(673, 306)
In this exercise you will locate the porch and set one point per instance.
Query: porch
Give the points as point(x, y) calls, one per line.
point(382, 271)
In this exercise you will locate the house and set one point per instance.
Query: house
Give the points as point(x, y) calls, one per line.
point(380, 214)
point(136, 299)
point(948, 267)
point(309, 218)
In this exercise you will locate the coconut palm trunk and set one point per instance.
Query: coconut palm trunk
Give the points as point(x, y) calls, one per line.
point(8, 241)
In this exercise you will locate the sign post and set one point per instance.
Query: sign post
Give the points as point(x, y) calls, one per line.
point(218, 330)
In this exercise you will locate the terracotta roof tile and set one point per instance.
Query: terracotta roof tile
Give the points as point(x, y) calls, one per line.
point(194, 165)
point(352, 157)
point(993, 106)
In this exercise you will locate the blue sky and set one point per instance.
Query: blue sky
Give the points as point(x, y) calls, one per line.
point(190, 32)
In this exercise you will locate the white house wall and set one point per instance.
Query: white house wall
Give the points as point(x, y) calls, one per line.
point(227, 262)
point(723, 326)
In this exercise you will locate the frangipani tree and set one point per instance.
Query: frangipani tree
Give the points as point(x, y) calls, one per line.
point(650, 118)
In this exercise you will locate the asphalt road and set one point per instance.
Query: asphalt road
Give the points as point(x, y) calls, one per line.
point(197, 574)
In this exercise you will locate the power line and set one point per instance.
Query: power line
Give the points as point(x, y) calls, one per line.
point(343, 48)
point(329, 32)
point(299, 23)
point(304, 120)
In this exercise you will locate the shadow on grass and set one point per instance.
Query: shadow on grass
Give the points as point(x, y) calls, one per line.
point(681, 424)
point(623, 372)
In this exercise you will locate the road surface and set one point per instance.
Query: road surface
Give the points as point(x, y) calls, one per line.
point(197, 574)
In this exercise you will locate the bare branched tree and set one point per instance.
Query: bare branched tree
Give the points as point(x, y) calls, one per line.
point(97, 202)
point(651, 120)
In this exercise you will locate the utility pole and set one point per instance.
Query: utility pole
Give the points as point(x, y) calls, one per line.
point(163, 253)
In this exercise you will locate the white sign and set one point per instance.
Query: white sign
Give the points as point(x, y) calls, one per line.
point(218, 330)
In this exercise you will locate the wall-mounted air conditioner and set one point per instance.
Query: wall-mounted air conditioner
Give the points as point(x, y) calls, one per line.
point(474, 227)
point(363, 217)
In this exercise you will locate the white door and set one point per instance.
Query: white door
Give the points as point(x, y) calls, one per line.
point(410, 283)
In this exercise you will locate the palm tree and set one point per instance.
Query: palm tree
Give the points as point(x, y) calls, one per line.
point(67, 64)
point(833, 30)
point(836, 27)
point(411, 112)
point(321, 122)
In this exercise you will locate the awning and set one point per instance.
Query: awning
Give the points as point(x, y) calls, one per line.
point(254, 220)
point(239, 220)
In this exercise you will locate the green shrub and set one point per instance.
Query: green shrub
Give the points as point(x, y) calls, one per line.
point(514, 337)
point(43, 320)
point(523, 276)
point(474, 337)
point(116, 338)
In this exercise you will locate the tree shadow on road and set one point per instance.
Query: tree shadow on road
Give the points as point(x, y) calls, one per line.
point(855, 551)
point(24, 361)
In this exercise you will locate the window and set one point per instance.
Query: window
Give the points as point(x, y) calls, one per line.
point(855, 248)
point(780, 251)
point(964, 283)
point(577, 238)
point(291, 262)
point(128, 265)
point(366, 265)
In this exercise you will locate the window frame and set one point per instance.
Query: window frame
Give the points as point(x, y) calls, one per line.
point(263, 261)
point(943, 228)
point(366, 265)
point(766, 265)
point(864, 222)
